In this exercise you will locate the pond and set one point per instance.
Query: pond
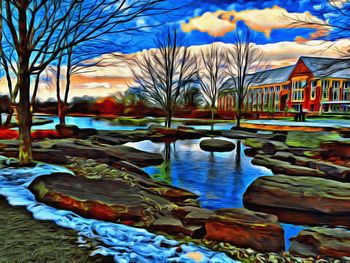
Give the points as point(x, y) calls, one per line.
point(219, 179)
point(101, 124)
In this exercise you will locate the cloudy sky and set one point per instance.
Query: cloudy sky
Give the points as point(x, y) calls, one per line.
point(207, 21)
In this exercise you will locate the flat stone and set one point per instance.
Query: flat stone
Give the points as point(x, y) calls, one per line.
point(109, 140)
point(245, 228)
point(134, 156)
point(42, 155)
point(283, 167)
point(300, 200)
point(216, 145)
point(325, 242)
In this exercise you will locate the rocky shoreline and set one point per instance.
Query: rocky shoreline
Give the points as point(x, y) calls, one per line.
point(110, 185)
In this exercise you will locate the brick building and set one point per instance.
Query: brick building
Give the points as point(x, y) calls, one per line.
point(314, 84)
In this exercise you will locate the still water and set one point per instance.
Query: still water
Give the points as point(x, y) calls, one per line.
point(219, 179)
point(100, 124)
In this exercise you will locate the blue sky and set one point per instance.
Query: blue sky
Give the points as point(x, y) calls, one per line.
point(197, 9)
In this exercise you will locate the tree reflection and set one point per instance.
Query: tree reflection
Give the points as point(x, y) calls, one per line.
point(238, 158)
point(165, 167)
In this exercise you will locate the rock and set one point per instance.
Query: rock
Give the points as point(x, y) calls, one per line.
point(338, 149)
point(216, 145)
point(41, 155)
point(255, 143)
point(245, 228)
point(109, 140)
point(283, 156)
point(300, 200)
point(271, 147)
point(134, 156)
point(182, 127)
point(189, 133)
point(100, 199)
point(128, 168)
point(268, 162)
point(172, 193)
point(86, 133)
point(283, 167)
point(192, 214)
point(237, 134)
point(171, 225)
point(67, 130)
point(310, 139)
point(290, 169)
point(110, 154)
point(85, 151)
point(331, 171)
point(322, 242)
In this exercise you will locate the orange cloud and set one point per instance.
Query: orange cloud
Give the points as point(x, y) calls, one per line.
point(265, 20)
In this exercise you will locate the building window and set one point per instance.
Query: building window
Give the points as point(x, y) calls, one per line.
point(346, 90)
point(325, 89)
point(298, 90)
point(266, 93)
point(313, 89)
point(335, 90)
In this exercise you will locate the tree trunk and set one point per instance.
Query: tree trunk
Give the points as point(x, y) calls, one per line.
point(239, 113)
point(61, 113)
point(24, 115)
point(212, 119)
point(168, 120)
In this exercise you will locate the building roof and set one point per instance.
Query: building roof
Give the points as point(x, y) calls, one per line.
point(273, 76)
point(320, 68)
point(328, 67)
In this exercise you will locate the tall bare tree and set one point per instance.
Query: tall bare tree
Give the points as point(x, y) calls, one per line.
point(163, 72)
point(244, 59)
point(39, 29)
point(212, 75)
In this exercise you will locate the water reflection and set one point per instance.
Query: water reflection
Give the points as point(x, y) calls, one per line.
point(220, 179)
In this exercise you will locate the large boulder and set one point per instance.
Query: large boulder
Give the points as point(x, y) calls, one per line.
point(324, 242)
point(300, 200)
point(310, 139)
point(100, 199)
point(120, 200)
point(216, 145)
point(245, 228)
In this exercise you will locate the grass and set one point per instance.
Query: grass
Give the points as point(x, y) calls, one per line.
point(24, 239)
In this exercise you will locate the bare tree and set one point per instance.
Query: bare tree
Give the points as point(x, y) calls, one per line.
point(334, 25)
point(244, 59)
point(162, 73)
point(212, 77)
point(38, 31)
